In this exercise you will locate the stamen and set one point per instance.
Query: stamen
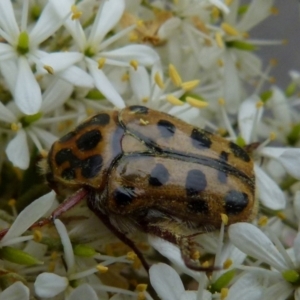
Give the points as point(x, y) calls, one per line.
point(230, 30)
point(174, 75)
point(173, 100)
point(76, 13)
point(134, 64)
point(158, 80)
point(101, 62)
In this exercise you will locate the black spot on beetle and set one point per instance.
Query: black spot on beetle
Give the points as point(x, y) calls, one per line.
point(138, 109)
point(166, 128)
point(235, 202)
point(101, 119)
point(124, 196)
point(200, 139)
point(89, 140)
point(239, 152)
point(63, 155)
point(91, 166)
point(198, 206)
point(68, 174)
point(195, 182)
point(159, 175)
point(222, 177)
point(67, 137)
point(224, 156)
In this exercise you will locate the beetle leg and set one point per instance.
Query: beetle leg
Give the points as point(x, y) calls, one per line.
point(120, 235)
point(188, 246)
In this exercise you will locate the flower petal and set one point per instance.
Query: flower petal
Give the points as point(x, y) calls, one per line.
point(17, 150)
point(59, 61)
point(255, 243)
point(29, 215)
point(166, 282)
point(15, 291)
point(140, 83)
point(248, 287)
point(77, 77)
point(288, 157)
point(269, 192)
point(49, 285)
point(144, 55)
point(27, 91)
point(105, 87)
point(84, 291)
point(67, 245)
point(257, 11)
point(8, 21)
point(47, 23)
point(107, 18)
point(247, 117)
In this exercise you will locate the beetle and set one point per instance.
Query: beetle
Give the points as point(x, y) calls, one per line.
point(147, 170)
point(141, 169)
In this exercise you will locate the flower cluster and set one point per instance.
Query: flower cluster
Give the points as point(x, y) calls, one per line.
point(64, 60)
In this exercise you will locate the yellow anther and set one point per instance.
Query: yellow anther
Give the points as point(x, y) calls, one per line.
point(195, 255)
point(158, 80)
point(131, 255)
point(285, 42)
point(224, 218)
point(259, 104)
point(274, 11)
point(174, 100)
point(224, 293)
point(37, 236)
point(12, 202)
point(221, 101)
point(89, 111)
point(174, 75)
point(219, 40)
point(263, 221)
point(273, 62)
point(190, 85)
point(206, 264)
point(76, 13)
point(141, 296)
point(222, 131)
point(196, 102)
point(245, 35)
point(230, 30)
point(272, 136)
point(227, 263)
point(54, 255)
point(134, 64)
point(140, 23)
point(133, 37)
point(143, 122)
point(145, 99)
point(102, 269)
point(51, 266)
point(228, 2)
point(125, 77)
point(141, 287)
point(215, 13)
point(44, 153)
point(136, 264)
point(101, 62)
point(272, 79)
point(49, 69)
point(220, 62)
point(281, 215)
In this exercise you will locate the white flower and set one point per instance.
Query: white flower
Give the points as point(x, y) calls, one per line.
point(26, 218)
point(16, 291)
point(250, 115)
point(92, 45)
point(34, 127)
point(256, 244)
point(21, 51)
